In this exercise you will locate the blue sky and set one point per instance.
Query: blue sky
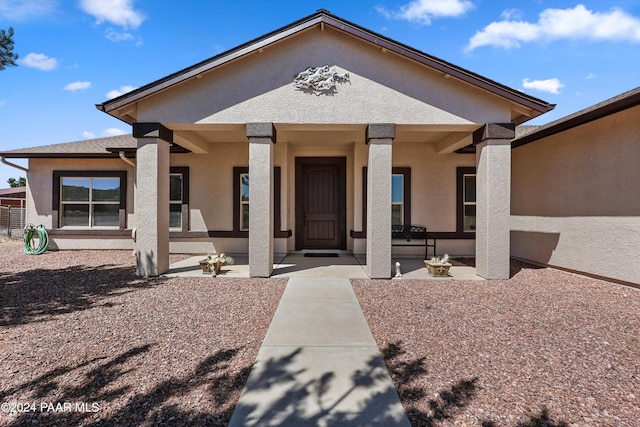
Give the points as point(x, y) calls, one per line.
point(77, 53)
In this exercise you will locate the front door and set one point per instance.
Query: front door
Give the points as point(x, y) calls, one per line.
point(320, 203)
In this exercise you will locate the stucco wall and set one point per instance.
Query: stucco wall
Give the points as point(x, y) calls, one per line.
point(383, 87)
point(576, 198)
point(40, 193)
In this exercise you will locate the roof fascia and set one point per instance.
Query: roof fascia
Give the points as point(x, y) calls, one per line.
point(59, 155)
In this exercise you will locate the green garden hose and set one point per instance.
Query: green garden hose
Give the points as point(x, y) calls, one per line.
point(43, 240)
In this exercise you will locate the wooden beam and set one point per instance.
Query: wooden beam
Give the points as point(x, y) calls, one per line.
point(452, 142)
point(192, 142)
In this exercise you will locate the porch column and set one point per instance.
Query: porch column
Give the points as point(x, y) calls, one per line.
point(261, 136)
point(152, 198)
point(493, 199)
point(379, 137)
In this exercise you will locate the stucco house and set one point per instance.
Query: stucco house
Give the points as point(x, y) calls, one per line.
point(326, 132)
point(575, 194)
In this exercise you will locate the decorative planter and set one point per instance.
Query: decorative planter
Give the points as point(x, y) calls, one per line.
point(206, 267)
point(438, 270)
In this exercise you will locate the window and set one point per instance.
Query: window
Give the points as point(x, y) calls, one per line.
point(469, 202)
point(400, 197)
point(241, 203)
point(466, 200)
point(89, 199)
point(175, 200)
point(397, 199)
point(179, 198)
point(244, 201)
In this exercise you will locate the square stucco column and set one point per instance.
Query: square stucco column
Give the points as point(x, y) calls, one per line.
point(261, 138)
point(379, 137)
point(152, 203)
point(493, 200)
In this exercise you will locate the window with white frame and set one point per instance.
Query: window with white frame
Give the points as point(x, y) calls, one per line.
point(90, 201)
point(469, 201)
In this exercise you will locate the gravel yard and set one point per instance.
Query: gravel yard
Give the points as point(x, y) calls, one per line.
point(81, 335)
point(546, 348)
point(89, 343)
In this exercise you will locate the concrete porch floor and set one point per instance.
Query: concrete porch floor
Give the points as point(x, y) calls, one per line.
point(346, 265)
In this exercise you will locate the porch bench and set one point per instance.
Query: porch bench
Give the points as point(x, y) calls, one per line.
point(412, 235)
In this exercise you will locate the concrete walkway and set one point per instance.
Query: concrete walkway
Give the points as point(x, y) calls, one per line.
point(319, 364)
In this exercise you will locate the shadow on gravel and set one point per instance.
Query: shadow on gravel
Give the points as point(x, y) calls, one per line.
point(450, 402)
point(37, 295)
point(163, 405)
point(515, 266)
point(541, 420)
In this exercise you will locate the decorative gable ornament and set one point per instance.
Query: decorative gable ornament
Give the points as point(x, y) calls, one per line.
point(319, 79)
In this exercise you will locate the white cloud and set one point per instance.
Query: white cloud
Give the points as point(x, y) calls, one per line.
point(39, 61)
point(511, 14)
point(19, 10)
point(116, 12)
point(113, 132)
point(591, 76)
point(118, 36)
point(550, 85)
point(72, 87)
point(88, 135)
point(555, 24)
point(117, 92)
point(423, 11)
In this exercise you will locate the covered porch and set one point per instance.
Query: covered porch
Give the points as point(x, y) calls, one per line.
point(344, 264)
point(369, 159)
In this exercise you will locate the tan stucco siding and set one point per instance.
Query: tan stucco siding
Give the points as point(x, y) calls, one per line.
point(211, 184)
point(433, 183)
point(40, 203)
point(383, 87)
point(433, 192)
point(576, 198)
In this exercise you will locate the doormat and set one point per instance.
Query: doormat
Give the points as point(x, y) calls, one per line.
point(321, 255)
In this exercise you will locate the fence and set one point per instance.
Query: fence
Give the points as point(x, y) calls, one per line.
point(12, 221)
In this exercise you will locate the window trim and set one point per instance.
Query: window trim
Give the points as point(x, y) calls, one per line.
point(242, 203)
point(460, 204)
point(277, 208)
point(238, 171)
point(57, 193)
point(406, 192)
point(406, 195)
point(184, 171)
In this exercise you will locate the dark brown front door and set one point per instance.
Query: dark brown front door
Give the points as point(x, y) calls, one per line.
point(320, 212)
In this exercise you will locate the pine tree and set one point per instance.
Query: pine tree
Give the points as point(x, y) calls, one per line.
point(20, 182)
point(7, 57)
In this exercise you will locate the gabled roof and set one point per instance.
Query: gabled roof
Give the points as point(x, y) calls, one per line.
point(108, 147)
point(322, 18)
point(90, 148)
point(605, 108)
